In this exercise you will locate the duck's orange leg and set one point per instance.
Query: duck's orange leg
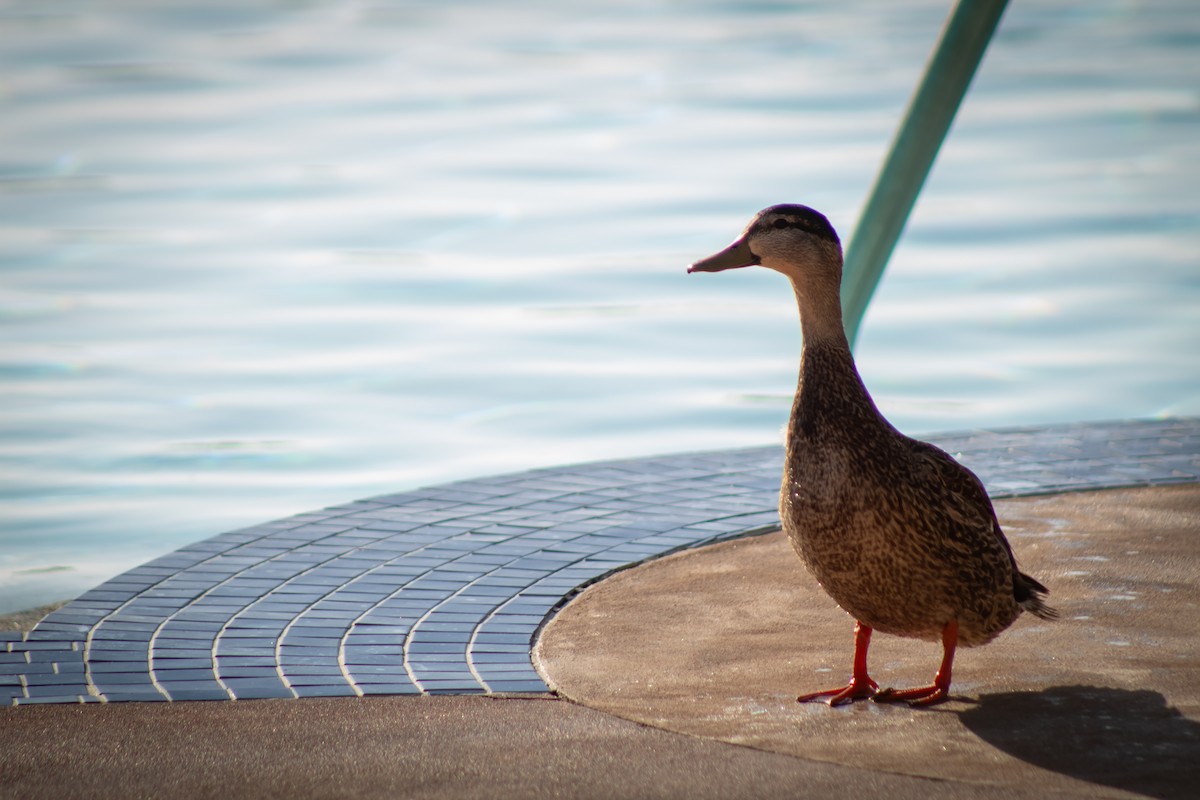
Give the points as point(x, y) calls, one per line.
point(940, 690)
point(861, 684)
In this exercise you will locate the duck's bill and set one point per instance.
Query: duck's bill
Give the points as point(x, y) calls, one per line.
point(736, 255)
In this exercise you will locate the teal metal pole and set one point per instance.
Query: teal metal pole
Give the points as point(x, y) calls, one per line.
point(920, 136)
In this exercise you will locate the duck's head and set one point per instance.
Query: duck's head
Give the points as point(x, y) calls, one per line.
point(792, 239)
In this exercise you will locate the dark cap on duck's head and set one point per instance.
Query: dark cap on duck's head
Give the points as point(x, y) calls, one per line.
point(770, 223)
point(795, 216)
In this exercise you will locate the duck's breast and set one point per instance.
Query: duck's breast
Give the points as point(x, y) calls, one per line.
point(896, 545)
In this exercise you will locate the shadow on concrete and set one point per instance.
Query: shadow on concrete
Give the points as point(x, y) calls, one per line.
point(1129, 740)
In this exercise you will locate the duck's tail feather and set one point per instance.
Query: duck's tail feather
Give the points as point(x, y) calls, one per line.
point(1029, 593)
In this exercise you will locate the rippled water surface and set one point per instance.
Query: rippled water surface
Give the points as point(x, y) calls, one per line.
point(260, 257)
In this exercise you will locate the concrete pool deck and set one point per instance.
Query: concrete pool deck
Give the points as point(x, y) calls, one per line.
point(718, 642)
point(441, 592)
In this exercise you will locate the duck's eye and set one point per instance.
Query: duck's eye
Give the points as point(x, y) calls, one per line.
point(780, 224)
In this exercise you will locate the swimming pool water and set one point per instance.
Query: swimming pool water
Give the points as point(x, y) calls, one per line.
point(261, 257)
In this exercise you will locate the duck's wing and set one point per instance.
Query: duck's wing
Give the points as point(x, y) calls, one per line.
point(967, 502)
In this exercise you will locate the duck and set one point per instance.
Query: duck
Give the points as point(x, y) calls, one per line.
point(902, 536)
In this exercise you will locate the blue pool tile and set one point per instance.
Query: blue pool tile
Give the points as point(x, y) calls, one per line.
point(34, 656)
point(315, 675)
point(381, 640)
point(526, 629)
point(178, 648)
point(101, 668)
point(289, 661)
point(452, 657)
point(204, 662)
point(354, 660)
point(293, 640)
point(265, 650)
point(452, 686)
point(458, 626)
point(59, 628)
point(129, 694)
point(325, 691)
point(364, 671)
point(484, 660)
point(50, 699)
point(199, 693)
point(492, 647)
point(245, 688)
point(480, 561)
point(484, 642)
point(172, 675)
point(46, 641)
point(447, 680)
point(519, 686)
point(123, 656)
point(317, 629)
point(416, 648)
point(106, 679)
point(422, 636)
point(48, 679)
point(206, 680)
point(388, 688)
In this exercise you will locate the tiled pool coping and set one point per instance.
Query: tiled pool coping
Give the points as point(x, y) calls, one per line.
point(442, 590)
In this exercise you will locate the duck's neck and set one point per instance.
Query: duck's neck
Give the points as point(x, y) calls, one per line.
point(820, 314)
point(830, 394)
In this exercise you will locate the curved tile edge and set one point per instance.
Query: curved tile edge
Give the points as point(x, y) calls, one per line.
point(442, 590)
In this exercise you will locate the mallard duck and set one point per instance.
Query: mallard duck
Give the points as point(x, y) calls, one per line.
point(902, 536)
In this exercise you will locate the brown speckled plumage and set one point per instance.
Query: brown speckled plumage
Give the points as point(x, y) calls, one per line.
point(901, 535)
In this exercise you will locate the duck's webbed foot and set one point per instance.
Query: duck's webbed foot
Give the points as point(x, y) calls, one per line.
point(860, 685)
point(856, 690)
point(940, 690)
point(924, 696)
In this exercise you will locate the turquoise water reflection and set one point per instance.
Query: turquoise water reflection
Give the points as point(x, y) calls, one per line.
point(266, 256)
